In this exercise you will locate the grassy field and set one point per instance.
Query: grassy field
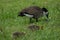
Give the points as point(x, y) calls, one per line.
point(10, 22)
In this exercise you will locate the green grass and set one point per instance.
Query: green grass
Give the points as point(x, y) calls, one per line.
point(10, 23)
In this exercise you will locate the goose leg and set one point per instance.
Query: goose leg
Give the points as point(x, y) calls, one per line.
point(30, 20)
point(36, 19)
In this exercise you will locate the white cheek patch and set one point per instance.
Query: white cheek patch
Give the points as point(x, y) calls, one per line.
point(44, 13)
point(28, 15)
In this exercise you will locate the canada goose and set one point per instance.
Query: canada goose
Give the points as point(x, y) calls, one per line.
point(34, 12)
